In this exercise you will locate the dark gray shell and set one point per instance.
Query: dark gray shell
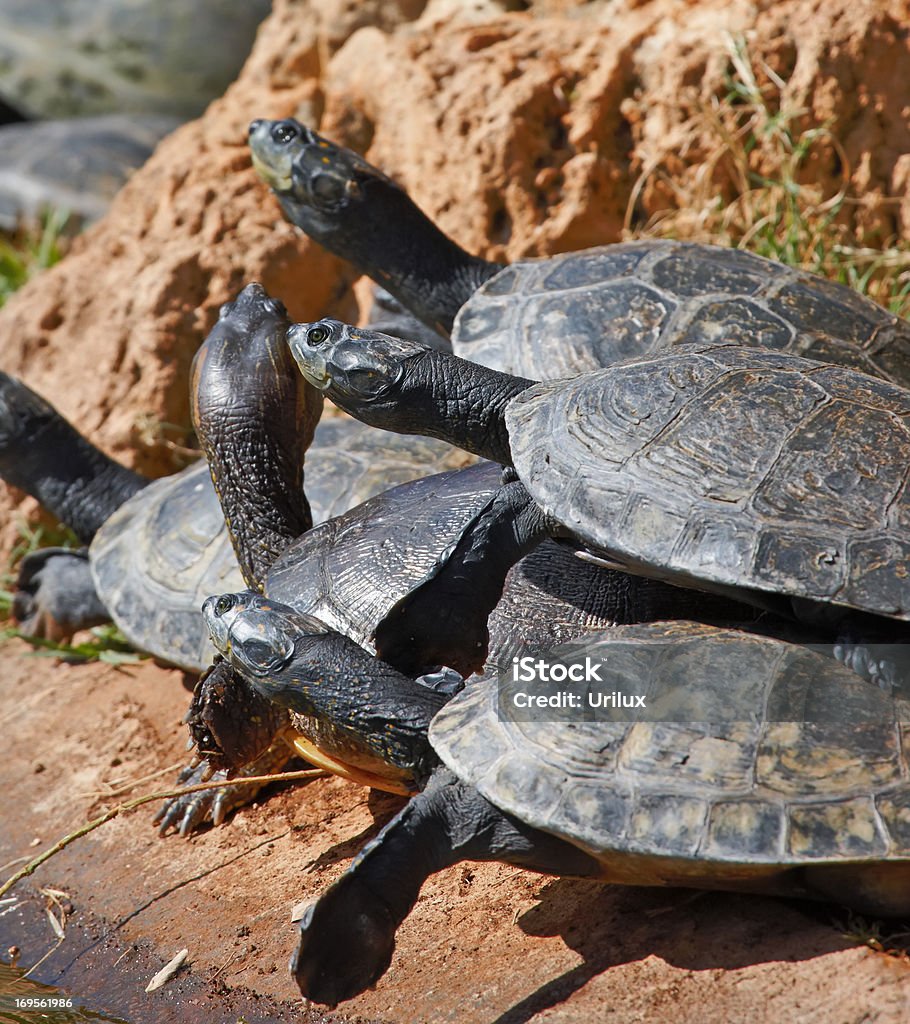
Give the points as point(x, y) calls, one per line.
point(789, 758)
point(739, 467)
point(350, 571)
point(76, 166)
point(133, 56)
point(570, 314)
point(167, 549)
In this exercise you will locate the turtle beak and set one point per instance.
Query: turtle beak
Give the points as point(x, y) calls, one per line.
point(272, 158)
point(312, 363)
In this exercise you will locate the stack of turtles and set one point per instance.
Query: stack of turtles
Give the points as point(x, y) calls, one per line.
point(701, 446)
point(695, 465)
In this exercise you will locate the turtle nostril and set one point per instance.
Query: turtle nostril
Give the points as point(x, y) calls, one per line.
point(255, 124)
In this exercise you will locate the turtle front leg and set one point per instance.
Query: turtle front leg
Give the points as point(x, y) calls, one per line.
point(347, 937)
point(187, 812)
point(444, 620)
point(55, 594)
point(236, 732)
point(230, 723)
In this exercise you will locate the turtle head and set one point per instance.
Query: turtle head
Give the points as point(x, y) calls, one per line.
point(246, 339)
point(253, 310)
point(400, 385)
point(23, 413)
point(257, 636)
point(360, 370)
point(255, 419)
point(358, 213)
point(326, 190)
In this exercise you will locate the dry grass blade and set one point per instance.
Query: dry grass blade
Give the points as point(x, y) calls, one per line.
point(167, 972)
point(750, 172)
point(33, 865)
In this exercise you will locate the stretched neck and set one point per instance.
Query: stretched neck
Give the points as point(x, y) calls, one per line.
point(46, 457)
point(255, 417)
point(403, 250)
point(460, 402)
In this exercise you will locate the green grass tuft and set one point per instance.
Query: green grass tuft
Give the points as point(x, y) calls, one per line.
point(753, 184)
point(26, 252)
point(107, 645)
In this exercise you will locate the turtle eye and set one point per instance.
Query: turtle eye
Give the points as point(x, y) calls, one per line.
point(282, 133)
point(224, 604)
point(317, 335)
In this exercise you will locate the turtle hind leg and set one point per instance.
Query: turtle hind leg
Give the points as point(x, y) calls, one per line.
point(55, 595)
point(347, 937)
point(444, 620)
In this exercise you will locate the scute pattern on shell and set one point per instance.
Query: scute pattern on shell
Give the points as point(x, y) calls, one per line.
point(350, 571)
point(165, 550)
point(577, 312)
point(742, 467)
point(158, 557)
point(743, 790)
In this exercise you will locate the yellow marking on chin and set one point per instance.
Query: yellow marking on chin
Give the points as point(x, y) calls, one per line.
point(318, 757)
point(281, 183)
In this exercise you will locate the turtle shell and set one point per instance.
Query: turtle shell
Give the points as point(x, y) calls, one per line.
point(730, 466)
point(165, 550)
point(569, 314)
point(755, 755)
point(352, 569)
point(349, 572)
point(75, 165)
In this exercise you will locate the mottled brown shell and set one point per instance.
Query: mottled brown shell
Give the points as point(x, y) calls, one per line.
point(740, 467)
point(804, 762)
point(577, 312)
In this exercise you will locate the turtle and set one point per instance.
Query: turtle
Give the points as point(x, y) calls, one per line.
point(158, 548)
point(76, 166)
point(133, 57)
point(776, 479)
point(348, 572)
point(750, 763)
point(353, 568)
point(574, 312)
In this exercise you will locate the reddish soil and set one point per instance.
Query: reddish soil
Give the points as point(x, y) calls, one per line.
point(485, 943)
point(521, 131)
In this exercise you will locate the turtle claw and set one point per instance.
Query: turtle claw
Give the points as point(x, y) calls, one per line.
point(187, 812)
